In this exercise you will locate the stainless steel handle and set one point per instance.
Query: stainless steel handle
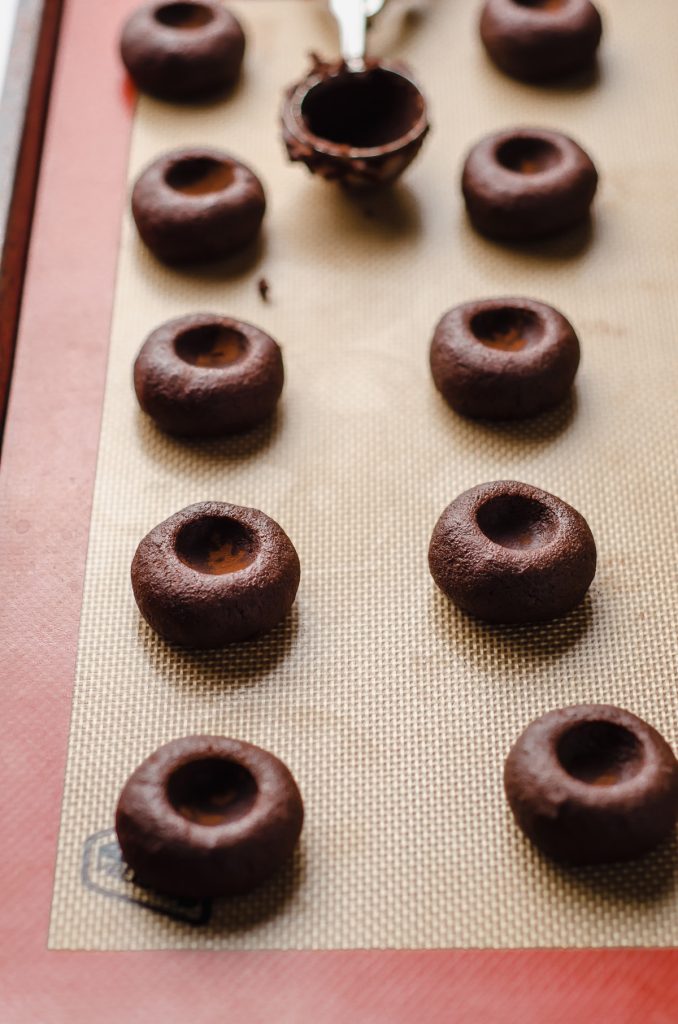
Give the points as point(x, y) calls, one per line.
point(352, 22)
point(351, 17)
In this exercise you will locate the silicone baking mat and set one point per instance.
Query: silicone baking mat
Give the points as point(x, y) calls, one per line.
point(393, 711)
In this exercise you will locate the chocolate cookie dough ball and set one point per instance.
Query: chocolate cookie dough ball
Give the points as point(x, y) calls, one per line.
point(527, 183)
point(504, 358)
point(592, 784)
point(196, 205)
point(182, 51)
point(507, 552)
point(204, 375)
point(360, 129)
point(214, 574)
point(539, 40)
point(208, 816)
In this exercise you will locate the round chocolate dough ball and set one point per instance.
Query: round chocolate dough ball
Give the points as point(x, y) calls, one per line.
point(592, 784)
point(504, 358)
point(196, 205)
point(182, 51)
point(539, 40)
point(361, 129)
point(214, 574)
point(208, 816)
point(204, 375)
point(507, 552)
point(527, 183)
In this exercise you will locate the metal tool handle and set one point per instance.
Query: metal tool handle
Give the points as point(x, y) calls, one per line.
point(351, 17)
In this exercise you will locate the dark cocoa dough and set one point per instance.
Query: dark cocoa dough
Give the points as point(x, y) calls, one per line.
point(541, 40)
point(208, 816)
point(196, 205)
point(592, 784)
point(507, 552)
point(204, 375)
point(214, 574)
point(361, 129)
point(527, 183)
point(182, 51)
point(504, 358)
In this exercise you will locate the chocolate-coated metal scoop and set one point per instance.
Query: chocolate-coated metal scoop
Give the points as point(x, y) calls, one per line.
point(359, 121)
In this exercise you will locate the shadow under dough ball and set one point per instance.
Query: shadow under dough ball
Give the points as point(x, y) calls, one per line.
point(214, 574)
point(507, 552)
point(504, 358)
point(205, 375)
point(592, 784)
point(196, 205)
point(361, 129)
point(181, 51)
point(208, 816)
point(527, 183)
point(541, 40)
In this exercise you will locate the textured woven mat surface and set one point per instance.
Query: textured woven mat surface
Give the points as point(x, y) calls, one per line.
point(393, 711)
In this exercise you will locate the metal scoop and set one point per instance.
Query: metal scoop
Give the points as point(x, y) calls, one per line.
point(355, 121)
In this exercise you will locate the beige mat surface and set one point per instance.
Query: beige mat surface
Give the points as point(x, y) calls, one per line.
point(393, 711)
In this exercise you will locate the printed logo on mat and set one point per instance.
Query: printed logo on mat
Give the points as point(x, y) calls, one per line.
point(105, 872)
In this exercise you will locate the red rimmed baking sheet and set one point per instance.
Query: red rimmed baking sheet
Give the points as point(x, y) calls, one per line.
point(47, 481)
